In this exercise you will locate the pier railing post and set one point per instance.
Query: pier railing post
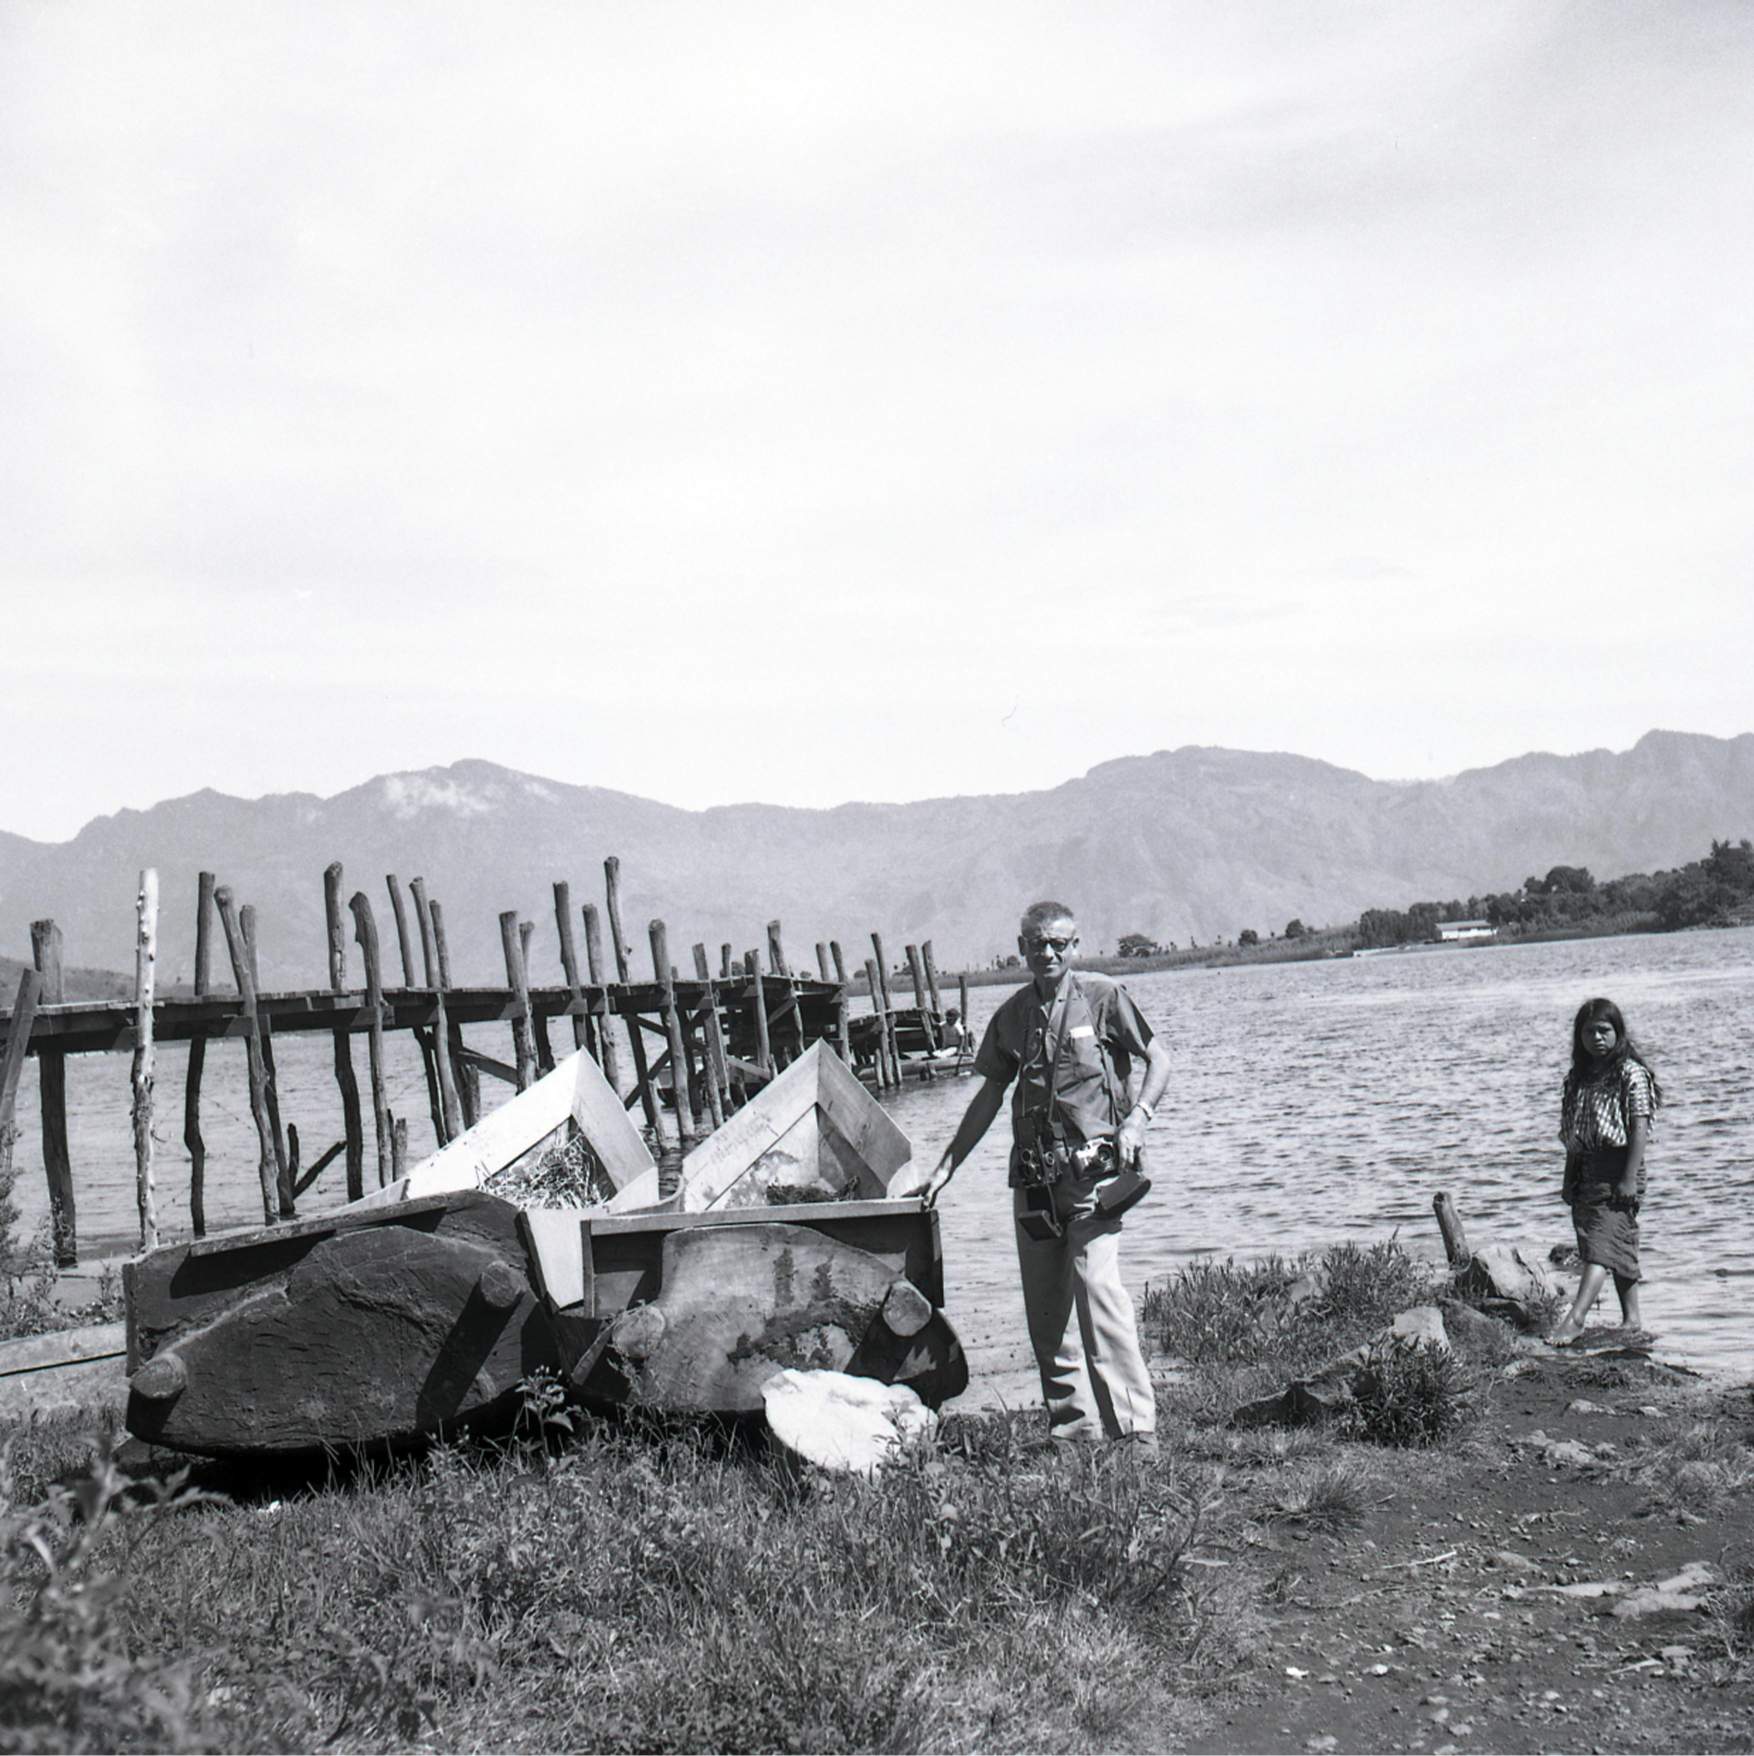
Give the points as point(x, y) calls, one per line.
point(265, 1031)
point(466, 1078)
point(679, 1081)
point(441, 1028)
point(635, 1038)
point(885, 1078)
point(718, 1084)
point(335, 923)
point(428, 1058)
point(569, 961)
point(145, 984)
point(45, 953)
point(267, 1166)
point(198, 1058)
point(608, 1051)
point(24, 1015)
point(523, 1041)
point(365, 930)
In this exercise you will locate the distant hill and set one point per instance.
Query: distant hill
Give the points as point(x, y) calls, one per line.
point(1195, 843)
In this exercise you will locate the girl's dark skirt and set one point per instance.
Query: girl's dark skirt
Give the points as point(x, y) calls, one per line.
point(1606, 1235)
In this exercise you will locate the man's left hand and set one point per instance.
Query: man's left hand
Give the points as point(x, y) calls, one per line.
point(1128, 1143)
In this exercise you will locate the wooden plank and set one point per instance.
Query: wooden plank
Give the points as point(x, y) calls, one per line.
point(45, 953)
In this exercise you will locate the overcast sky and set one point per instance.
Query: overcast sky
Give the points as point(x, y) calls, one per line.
point(818, 402)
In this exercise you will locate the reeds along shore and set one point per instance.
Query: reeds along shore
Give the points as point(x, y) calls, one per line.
point(689, 1051)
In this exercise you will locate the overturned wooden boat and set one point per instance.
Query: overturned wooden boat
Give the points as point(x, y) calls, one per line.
point(795, 1239)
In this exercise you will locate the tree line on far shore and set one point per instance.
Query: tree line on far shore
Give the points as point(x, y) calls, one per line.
point(1713, 891)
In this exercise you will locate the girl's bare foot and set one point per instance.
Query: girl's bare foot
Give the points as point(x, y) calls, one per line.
point(1563, 1333)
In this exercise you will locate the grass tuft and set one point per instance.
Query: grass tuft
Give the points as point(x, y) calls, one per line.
point(538, 1594)
point(1289, 1315)
point(1412, 1397)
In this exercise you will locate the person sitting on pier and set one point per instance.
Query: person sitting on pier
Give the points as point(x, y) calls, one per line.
point(1069, 1041)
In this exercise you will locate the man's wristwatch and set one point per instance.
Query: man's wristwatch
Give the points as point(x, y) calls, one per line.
point(1145, 1110)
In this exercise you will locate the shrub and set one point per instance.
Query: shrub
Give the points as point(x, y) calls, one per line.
point(1411, 1396)
point(1291, 1316)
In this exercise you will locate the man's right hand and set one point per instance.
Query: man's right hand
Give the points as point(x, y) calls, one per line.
point(944, 1170)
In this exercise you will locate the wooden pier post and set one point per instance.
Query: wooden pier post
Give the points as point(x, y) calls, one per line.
point(608, 1052)
point(843, 1006)
point(679, 1081)
point(24, 1014)
point(727, 962)
point(966, 1046)
point(718, 1083)
point(523, 1040)
point(888, 1008)
point(468, 1080)
point(428, 1059)
point(569, 960)
point(538, 1020)
point(441, 1027)
point(822, 961)
point(403, 937)
point(197, 1147)
point(265, 1030)
point(932, 978)
point(45, 953)
point(267, 1167)
point(642, 1075)
point(365, 930)
point(1449, 1223)
point(145, 984)
point(884, 1079)
point(758, 999)
point(344, 1075)
point(917, 969)
point(776, 954)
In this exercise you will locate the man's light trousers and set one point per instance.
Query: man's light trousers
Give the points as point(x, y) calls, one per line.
point(1081, 1323)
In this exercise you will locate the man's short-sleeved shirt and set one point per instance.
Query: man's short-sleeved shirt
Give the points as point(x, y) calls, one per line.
point(1101, 1023)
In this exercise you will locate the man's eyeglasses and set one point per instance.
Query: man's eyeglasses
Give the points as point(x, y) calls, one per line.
point(1054, 945)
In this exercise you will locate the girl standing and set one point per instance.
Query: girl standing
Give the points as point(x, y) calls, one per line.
point(1605, 1112)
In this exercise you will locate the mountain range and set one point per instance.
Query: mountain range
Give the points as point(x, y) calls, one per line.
point(1189, 844)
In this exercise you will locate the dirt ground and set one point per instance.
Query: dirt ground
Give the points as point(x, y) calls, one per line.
point(1474, 1606)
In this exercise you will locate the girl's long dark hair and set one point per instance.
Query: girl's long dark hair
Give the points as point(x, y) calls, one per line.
point(1584, 1064)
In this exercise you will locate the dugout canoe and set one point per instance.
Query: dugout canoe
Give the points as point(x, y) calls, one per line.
point(795, 1239)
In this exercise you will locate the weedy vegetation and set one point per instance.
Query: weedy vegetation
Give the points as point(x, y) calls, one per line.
point(623, 1587)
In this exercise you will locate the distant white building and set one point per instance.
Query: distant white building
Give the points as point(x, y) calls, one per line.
point(1447, 930)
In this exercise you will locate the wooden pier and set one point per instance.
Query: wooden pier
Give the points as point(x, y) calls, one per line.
point(714, 1036)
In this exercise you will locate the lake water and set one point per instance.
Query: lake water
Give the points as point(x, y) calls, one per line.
point(1310, 1103)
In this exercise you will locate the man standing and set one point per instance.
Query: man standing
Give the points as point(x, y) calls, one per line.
point(1069, 1040)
